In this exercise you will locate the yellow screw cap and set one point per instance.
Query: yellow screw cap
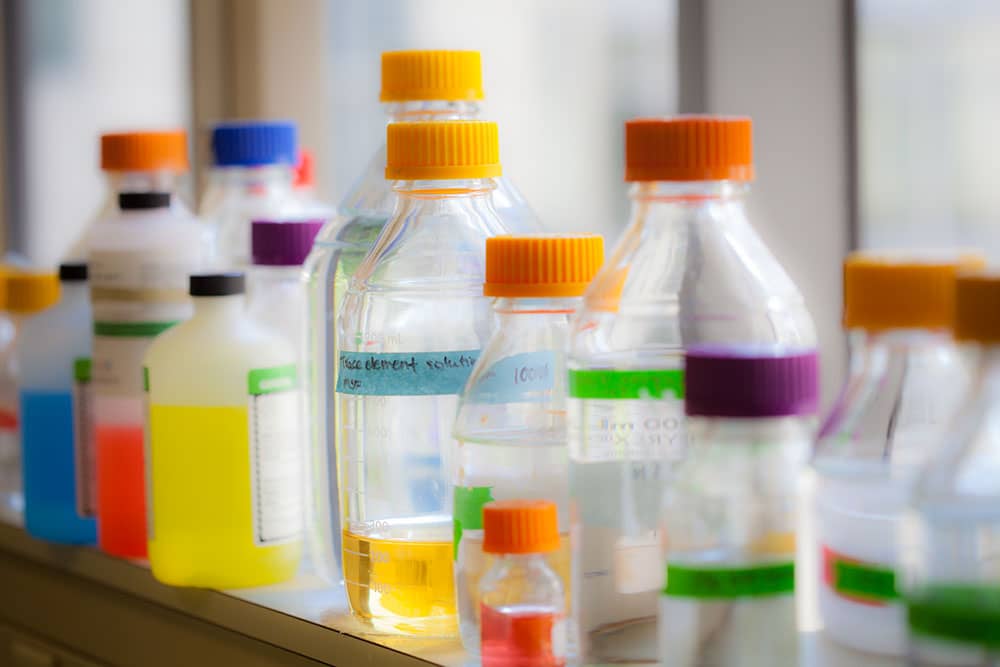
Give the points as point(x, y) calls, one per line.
point(435, 150)
point(31, 292)
point(431, 75)
point(902, 292)
point(977, 307)
point(543, 265)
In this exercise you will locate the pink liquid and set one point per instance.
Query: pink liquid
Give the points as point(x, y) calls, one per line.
point(121, 491)
point(520, 638)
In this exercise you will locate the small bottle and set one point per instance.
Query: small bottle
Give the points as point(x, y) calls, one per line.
point(949, 534)
point(522, 600)
point(416, 86)
point(411, 328)
point(729, 516)
point(60, 501)
point(27, 294)
point(689, 269)
point(252, 178)
point(888, 418)
point(511, 424)
point(139, 261)
point(224, 457)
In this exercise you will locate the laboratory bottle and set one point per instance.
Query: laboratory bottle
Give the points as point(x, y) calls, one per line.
point(307, 205)
point(27, 294)
point(951, 527)
point(905, 381)
point(252, 177)
point(412, 325)
point(522, 599)
point(225, 503)
point(730, 514)
point(53, 359)
point(689, 269)
point(511, 425)
point(416, 86)
point(139, 262)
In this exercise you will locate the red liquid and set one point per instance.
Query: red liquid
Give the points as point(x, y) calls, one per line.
point(520, 638)
point(121, 491)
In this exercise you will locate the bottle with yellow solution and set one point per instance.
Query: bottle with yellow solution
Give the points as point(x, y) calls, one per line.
point(411, 328)
point(511, 423)
point(223, 456)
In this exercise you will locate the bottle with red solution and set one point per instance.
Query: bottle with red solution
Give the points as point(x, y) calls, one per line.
point(522, 600)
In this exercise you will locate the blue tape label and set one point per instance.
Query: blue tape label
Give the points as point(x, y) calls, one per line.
point(404, 373)
point(520, 378)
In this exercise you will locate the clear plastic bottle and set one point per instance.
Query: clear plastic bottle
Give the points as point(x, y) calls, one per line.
point(689, 269)
point(412, 326)
point(27, 294)
point(522, 599)
point(416, 86)
point(885, 423)
point(730, 514)
point(54, 365)
point(952, 526)
point(139, 262)
point(252, 178)
point(224, 471)
point(511, 424)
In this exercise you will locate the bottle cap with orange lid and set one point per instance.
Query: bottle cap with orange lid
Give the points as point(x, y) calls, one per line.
point(542, 265)
point(977, 307)
point(431, 75)
point(30, 292)
point(689, 148)
point(886, 291)
point(520, 527)
point(445, 150)
point(145, 151)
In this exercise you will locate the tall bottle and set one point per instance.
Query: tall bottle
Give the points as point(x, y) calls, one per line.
point(416, 86)
point(252, 178)
point(54, 364)
point(950, 530)
point(224, 455)
point(139, 261)
point(27, 293)
point(689, 269)
point(412, 326)
point(730, 514)
point(511, 424)
point(906, 381)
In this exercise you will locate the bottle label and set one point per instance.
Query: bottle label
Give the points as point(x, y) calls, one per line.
point(83, 441)
point(468, 510)
point(520, 378)
point(859, 581)
point(963, 614)
point(275, 454)
point(404, 373)
point(722, 583)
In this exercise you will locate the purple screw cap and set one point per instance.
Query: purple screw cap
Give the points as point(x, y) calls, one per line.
point(750, 382)
point(282, 242)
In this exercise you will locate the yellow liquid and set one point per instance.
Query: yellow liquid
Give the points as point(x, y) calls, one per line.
point(202, 510)
point(401, 586)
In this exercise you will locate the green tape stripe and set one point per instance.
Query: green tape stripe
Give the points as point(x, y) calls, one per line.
point(862, 580)
point(730, 582)
point(467, 511)
point(145, 379)
point(81, 369)
point(957, 613)
point(269, 380)
point(131, 329)
point(614, 384)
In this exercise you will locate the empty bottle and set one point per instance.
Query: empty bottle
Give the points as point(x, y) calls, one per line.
point(689, 269)
point(60, 501)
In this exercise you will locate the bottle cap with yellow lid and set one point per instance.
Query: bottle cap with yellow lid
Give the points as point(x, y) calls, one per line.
point(689, 148)
point(444, 150)
point(145, 151)
point(431, 75)
point(29, 292)
point(520, 527)
point(886, 291)
point(542, 265)
point(977, 307)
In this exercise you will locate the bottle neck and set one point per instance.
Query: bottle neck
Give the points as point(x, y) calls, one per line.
point(896, 342)
point(143, 181)
point(687, 193)
point(555, 309)
point(419, 110)
point(228, 308)
point(74, 290)
point(255, 180)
